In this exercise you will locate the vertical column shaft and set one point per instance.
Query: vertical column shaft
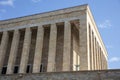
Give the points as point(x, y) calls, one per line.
point(83, 44)
point(13, 52)
point(52, 48)
point(78, 62)
point(74, 60)
point(95, 53)
point(92, 56)
point(98, 57)
point(91, 49)
point(38, 50)
point(25, 51)
point(106, 66)
point(67, 46)
point(101, 59)
point(3, 47)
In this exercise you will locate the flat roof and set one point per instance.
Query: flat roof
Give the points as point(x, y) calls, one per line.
point(43, 14)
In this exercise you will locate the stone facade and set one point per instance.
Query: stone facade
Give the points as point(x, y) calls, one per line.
point(61, 40)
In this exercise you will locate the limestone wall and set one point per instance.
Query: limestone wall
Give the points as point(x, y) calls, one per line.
point(80, 75)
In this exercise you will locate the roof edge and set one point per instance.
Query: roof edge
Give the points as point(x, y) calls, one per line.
point(43, 13)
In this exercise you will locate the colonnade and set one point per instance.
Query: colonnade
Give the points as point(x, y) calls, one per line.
point(97, 58)
point(25, 53)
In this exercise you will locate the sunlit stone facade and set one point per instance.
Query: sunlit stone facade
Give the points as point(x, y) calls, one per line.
point(61, 40)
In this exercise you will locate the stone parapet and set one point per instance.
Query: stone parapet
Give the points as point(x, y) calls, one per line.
point(77, 75)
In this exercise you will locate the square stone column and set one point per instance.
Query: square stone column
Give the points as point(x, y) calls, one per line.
point(3, 48)
point(101, 59)
point(74, 60)
point(99, 56)
point(25, 51)
point(96, 56)
point(106, 64)
point(38, 50)
point(95, 53)
point(92, 56)
point(78, 62)
point(83, 44)
point(52, 48)
point(67, 46)
point(13, 52)
point(91, 47)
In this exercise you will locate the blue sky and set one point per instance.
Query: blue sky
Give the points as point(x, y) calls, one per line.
point(106, 14)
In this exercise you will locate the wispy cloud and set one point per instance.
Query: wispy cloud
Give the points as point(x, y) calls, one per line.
point(105, 24)
point(114, 59)
point(7, 3)
point(36, 1)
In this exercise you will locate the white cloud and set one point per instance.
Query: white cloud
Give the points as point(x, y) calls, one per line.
point(2, 10)
point(105, 24)
point(114, 59)
point(7, 2)
point(36, 0)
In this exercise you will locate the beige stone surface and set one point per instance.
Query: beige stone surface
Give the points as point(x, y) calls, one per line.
point(79, 75)
point(38, 50)
point(3, 47)
point(13, 52)
point(95, 53)
point(52, 48)
point(83, 45)
point(59, 40)
point(67, 46)
point(92, 56)
point(25, 51)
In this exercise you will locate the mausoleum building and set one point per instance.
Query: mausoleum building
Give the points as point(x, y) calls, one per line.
point(56, 41)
